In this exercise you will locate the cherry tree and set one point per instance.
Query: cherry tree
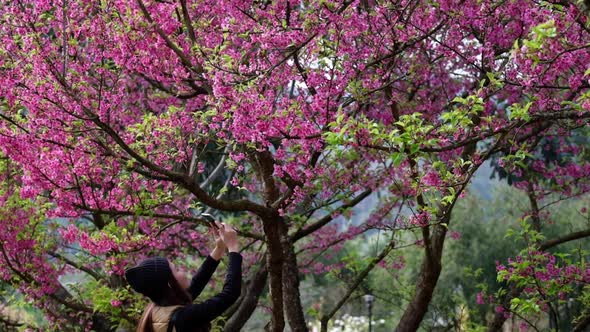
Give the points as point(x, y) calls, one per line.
point(123, 119)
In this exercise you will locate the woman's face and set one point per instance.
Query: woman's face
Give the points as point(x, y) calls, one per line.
point(180, 277)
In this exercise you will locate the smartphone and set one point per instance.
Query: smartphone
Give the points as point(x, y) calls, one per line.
point(209, 218)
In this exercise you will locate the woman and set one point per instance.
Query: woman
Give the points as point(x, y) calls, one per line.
point(172, 294)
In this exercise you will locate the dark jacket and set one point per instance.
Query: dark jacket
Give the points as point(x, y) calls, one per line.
point(194, 317)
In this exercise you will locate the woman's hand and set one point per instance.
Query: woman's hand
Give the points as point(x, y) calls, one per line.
point(229, 236)
point(220, 247)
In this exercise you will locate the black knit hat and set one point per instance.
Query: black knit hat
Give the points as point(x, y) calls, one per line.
point(150, 277)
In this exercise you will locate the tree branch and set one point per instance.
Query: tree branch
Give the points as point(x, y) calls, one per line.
point(197, 69)
point(216, 172)
point(563, 239)
point(79, 266)
point(326, 219)
point(187, 22)
point(325, 318)
point(177, 218)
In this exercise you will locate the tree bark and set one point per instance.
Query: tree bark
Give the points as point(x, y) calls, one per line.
point(582, 324)
point(249, 302)
point(291, 296)
point(426, 283)
point(274, 263)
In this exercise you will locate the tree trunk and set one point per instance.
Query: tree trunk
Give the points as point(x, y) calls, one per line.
point(291, 296)
point(418, 307)
point(274, 262)
point(427, 280)
point(249, 303)
point(582, 324)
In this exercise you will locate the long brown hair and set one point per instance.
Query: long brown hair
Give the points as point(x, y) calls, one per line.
point(174, 295)
point(145, 323)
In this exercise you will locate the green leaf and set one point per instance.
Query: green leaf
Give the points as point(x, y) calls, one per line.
point(460, 100)
point(398, 158)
